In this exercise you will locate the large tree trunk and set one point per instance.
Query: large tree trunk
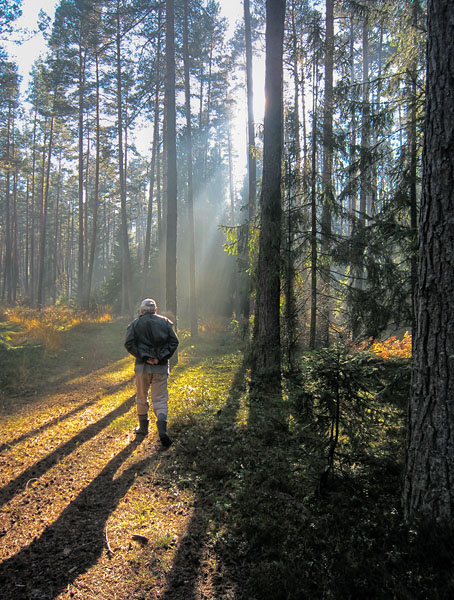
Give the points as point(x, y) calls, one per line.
point(428, 491)
point(267, 347)
point(171, 237)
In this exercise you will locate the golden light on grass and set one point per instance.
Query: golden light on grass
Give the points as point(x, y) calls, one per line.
point(45, 326)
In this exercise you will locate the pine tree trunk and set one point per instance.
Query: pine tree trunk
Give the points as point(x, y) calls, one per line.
point(43, 223)
point(314, 246)
point(266, 343)
point(153, 167)
point(171, 237)
point(80, 262)
point(190, 191)
point(7, 285)
point(428, 491)
point(246, 302)
point(352, 167)
point(327, 176)
point(94, 232)
point(33, 210)
point(413, 174)
point(127, 303)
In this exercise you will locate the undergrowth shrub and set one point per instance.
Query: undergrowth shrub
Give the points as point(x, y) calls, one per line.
point(350, 399)
point(391, 347)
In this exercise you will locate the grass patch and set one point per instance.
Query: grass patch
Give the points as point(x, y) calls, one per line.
point(42, 349)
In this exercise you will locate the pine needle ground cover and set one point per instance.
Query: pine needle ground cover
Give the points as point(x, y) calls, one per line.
point(234, 509)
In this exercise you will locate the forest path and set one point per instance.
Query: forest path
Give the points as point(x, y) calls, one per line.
point(77, 486)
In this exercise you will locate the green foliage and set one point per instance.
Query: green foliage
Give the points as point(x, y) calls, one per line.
point(10, 10)
point(349, 396)
point(378, 289)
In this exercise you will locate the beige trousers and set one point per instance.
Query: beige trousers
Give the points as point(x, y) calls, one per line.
point(156, 383)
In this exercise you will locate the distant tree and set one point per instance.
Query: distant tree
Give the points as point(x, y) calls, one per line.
point(428, 492)
point(8, 105)
point(266, 339)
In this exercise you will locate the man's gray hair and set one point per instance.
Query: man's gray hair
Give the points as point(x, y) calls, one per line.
point(148, 305)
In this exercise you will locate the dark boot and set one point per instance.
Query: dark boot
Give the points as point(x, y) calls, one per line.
point(143, 426)
point(162, 431)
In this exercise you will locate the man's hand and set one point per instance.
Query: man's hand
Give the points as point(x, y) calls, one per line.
point(152, 361)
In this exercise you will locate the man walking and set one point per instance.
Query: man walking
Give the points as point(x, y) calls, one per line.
point(152, 340)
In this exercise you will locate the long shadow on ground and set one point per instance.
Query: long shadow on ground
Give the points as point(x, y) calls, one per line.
point(74, 542)
point(39, 468)
point(209, 449)
point(62, 417)
point(27, 372)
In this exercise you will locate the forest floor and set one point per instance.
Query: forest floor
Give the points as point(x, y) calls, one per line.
point(232, 510)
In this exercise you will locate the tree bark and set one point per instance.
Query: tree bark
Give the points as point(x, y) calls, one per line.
point(171, 238)
point(267, 346)
point(94, 232)
point(153, 167)
point(428, 492)
point(246, 302)
point(314, 245)
point(43, 223)
point(80, 262)
point(126, 259)
point(327, 174)
point(190, 190)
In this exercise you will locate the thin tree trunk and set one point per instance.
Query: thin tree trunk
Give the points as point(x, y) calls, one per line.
point(153, 167)
point(33, 204)
point(94, 232)
point(126, 260)
point(43, 225)
point(353, 169)
point(327, 175)
point(413, 173)
point(171, 238)
point(252, 167)
point(14, 253)
point(314, 248)
point(7, 287)
point(55, 244)
point(80, 263)
point(190, 191)
point(246, 301)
